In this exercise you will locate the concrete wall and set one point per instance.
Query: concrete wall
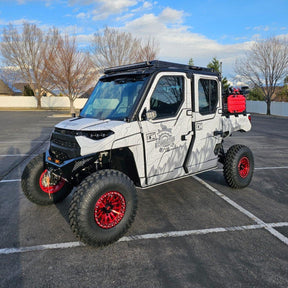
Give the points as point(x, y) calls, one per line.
point(277, 108)
point(30, 102)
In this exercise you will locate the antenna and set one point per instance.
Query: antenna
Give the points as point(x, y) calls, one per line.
point(220, 68)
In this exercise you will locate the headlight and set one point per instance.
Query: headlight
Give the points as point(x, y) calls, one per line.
point(97, 135)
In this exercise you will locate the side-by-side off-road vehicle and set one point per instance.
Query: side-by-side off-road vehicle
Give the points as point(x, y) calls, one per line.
point(144, 124)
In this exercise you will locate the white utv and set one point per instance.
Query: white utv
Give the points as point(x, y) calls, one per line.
point(144, 124)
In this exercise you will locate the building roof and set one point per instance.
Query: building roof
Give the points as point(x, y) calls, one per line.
point(4, 89)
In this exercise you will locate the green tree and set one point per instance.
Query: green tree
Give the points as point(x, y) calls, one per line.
point(256, 94)
point(216, 65)
point(28, 91)
point(191, 62)
point(225, 83)
point(283, 93)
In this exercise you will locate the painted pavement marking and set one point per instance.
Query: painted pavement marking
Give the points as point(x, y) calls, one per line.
point(171, 234)
point(259, 225)
point(244, 211)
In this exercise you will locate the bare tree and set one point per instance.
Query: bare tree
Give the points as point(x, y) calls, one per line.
point(114, 48)
point(70, 70)
point(25, 50)
point(148, 50)
point(264, 65)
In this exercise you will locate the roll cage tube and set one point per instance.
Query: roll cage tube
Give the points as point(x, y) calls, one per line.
point(115, 98)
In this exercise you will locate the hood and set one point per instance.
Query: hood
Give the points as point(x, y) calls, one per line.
point(88, 124)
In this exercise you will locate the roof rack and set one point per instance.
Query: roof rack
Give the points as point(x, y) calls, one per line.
point(154, 64)
point(127, 67)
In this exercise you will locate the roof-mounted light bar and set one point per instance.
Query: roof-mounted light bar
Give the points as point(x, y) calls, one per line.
point(128, 67)
point(155, 64)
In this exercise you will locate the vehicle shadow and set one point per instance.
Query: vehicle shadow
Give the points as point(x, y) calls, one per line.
point(63, 206)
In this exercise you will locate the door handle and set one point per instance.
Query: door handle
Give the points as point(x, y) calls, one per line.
point(217, 133)
point(183, 137)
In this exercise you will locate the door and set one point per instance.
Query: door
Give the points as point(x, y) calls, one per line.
point(207, 124)
point(166, 138)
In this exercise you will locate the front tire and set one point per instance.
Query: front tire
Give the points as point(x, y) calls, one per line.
point(40, 187)
point(103, 207)
point(238, 166)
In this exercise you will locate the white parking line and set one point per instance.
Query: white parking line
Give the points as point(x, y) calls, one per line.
point(271, 168)
point(201, 231)
point(24, 141)
point(259, 225)
point(12, 180)
point(6, 251)
point(15, 155)
point(244, 211)
point(40, 247)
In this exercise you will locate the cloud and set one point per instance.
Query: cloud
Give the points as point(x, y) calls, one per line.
point(261, 28)
point(102, 9)
point(111, 7)
point(177, 42)
point(169, 15)
point(81, 15)
point(19, 22)
point(125, 17)
point(23, 2)
point(146, 6)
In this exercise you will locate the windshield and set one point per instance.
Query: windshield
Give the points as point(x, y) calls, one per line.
point(114, 98)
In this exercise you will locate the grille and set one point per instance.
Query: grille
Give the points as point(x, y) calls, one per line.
point(66, 132)
point(63, 144)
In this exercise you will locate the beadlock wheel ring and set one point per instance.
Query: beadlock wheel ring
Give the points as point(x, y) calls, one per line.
point(109, 209)
point(44, 182)
point(244, 167)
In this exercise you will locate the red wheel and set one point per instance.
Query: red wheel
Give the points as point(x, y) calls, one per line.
point(49, 185)
point(244, 167)
point(238, 166)
point(42, 187)
point(109, 209)
point(103, 207)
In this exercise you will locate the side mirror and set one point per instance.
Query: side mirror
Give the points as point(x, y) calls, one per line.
point(151, 115)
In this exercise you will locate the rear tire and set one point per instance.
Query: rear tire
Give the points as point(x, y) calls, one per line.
point(34, 184)
point(103, 207)
point(238, 166)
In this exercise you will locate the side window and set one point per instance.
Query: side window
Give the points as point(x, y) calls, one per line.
point(167, 96)
point(208, 96)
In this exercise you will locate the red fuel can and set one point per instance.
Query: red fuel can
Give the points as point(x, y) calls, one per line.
point(236, 103)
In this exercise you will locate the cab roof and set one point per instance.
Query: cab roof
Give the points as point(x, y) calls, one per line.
point(150, 67)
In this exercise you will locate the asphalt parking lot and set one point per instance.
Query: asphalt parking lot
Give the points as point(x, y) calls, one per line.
point(194, 232)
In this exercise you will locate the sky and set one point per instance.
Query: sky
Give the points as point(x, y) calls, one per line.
point(184, 29)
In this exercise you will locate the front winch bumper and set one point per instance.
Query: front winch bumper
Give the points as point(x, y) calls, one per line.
point(71, 170)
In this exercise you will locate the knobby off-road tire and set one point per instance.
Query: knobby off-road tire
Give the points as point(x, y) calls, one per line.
point(103, 207)
point(238, 166)
point(34, 184)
